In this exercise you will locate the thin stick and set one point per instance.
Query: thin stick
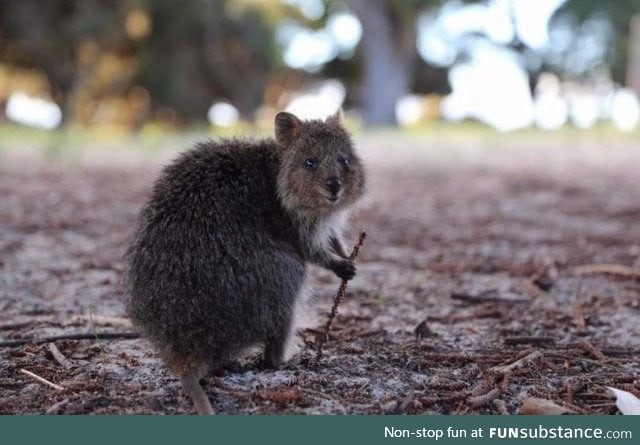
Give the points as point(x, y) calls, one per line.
point(42, 380)
point(478, 401)
point(57, 355)
point(512, 341)
point(57, 407)
point(103, 320)
point(578, 310)
point(535, 355)
point(95, 336)
point(612, 269)
point(337, 299)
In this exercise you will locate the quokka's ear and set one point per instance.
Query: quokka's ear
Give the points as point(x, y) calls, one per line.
point(287, 128)
point(335, 119)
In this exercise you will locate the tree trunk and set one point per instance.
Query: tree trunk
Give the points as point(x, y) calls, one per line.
point(388, 48)
point(633, 64)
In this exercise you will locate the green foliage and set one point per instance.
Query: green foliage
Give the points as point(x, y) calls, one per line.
point(619, 12)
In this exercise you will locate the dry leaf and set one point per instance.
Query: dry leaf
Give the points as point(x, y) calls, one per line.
point(280, 396)
point(626, 402)
point(535, 406)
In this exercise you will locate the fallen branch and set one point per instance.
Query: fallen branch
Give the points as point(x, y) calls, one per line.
point(42, 380)
point(336, 301)
point(93, 336)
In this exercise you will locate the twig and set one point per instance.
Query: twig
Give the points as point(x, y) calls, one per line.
point(57, 407)
point(583, 360)
point(501, 407)
point(337, 299)
point(588, 347)
point(484, 298)
point(535, 355)
point(534, 290)
point(42, 380)
point(483, 399)
point(103, 320)
point(578, 310)
point(57, 355)
point(512, 341)
point(95, 336)
point(612, 269)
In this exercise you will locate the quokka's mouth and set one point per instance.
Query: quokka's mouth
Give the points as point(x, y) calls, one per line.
point(332, 198)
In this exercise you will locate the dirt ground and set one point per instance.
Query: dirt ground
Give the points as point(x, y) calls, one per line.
point(481, 284)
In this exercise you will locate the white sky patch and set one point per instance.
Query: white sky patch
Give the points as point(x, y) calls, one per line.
point(584, 110)
point(345, 29)
point(319, 100)
point(311, 9)
point(551, 111)
point(551, 108)
point(494, 22)
point(532, 20)
point(223, 114)
point(33, 111)
point(493, 88)
point(409, 110)
point(625, 110)
point(310, 50)
point(443, 35)
point(433, 44)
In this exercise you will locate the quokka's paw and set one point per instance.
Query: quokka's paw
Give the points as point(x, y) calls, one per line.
point(345, 269)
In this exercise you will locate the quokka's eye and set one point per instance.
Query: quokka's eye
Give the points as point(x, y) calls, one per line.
point(311, 163)
point(344, 161)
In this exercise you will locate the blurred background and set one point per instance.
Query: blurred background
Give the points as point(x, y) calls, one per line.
point(500, 139)
point(131, 66)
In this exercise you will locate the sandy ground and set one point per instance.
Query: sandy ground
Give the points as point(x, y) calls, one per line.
point(475, 259)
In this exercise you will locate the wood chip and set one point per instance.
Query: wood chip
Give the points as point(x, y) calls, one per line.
point(536, 406)
point(57, 355)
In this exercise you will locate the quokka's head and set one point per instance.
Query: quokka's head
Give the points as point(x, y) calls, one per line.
point(320, 171)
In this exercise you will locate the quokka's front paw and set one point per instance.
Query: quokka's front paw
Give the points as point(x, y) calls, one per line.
point(345, 269)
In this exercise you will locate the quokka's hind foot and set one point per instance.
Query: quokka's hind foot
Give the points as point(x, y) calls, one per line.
point(190, 374)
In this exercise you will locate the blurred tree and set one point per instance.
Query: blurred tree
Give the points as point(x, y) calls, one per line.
point(611, 20)
point(388, 51)
point(60, 37)
point(208, 51)
point(183, 53)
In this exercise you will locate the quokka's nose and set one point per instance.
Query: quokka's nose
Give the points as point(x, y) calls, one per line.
point(334, 185)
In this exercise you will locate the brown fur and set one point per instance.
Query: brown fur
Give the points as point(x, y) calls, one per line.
point(219, 257)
